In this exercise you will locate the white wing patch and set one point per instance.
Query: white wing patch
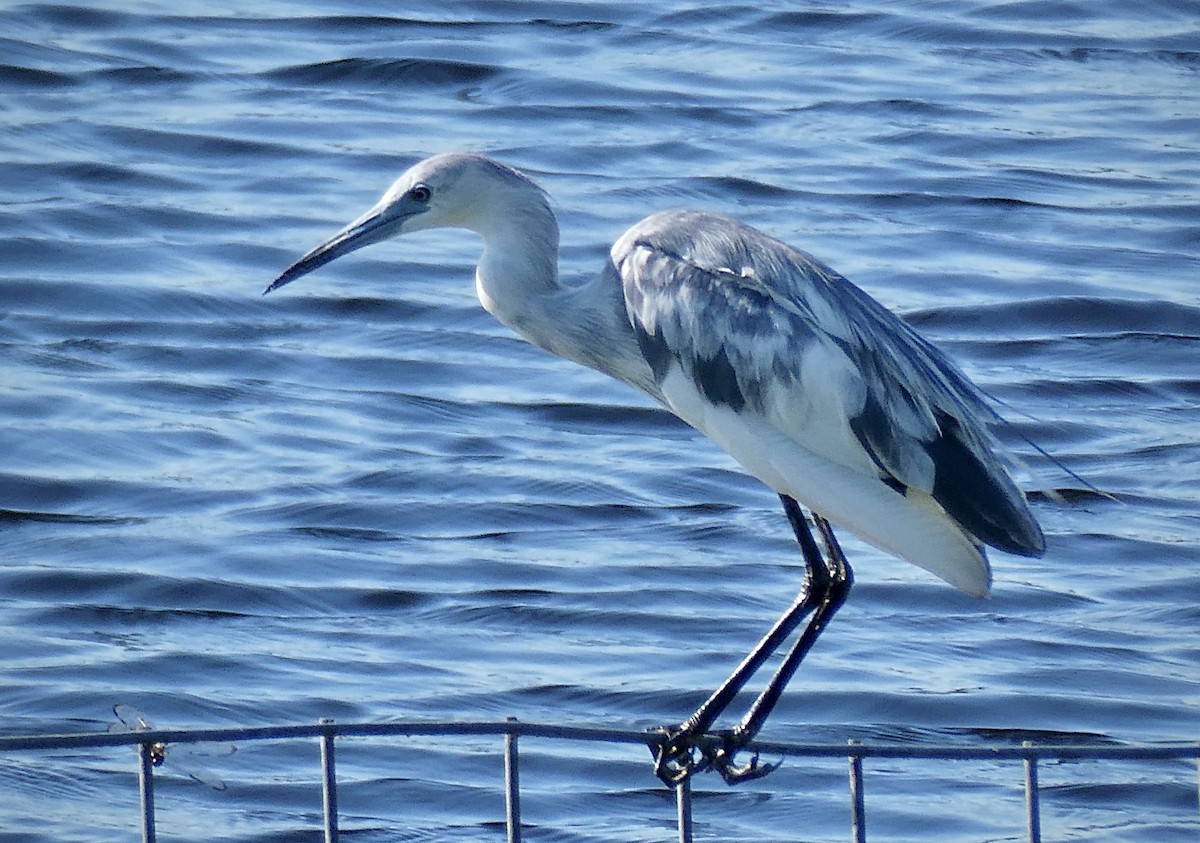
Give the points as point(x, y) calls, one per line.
point(912, 527)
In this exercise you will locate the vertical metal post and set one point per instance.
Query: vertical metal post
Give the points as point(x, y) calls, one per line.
point(858, 801)
point(683, 804)
point(146, 789)
point(1033, 815)
point(328, 781)
point(512, 786)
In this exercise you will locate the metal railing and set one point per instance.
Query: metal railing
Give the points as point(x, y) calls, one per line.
point(151, 747)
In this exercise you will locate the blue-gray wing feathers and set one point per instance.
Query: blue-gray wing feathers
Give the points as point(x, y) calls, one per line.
point(758, 325)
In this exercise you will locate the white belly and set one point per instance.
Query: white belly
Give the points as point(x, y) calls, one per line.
point(842, 488)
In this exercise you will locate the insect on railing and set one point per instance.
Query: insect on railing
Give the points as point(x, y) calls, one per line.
point(151, 743)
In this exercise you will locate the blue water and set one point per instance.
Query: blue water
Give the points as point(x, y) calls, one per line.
point(361, 498)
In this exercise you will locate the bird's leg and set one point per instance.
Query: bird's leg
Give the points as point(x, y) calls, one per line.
point(830, 584)
point(686, 749)
point(680, 752)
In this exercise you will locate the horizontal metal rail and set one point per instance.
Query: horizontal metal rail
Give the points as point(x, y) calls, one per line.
point(151, 741)
point(467, 728)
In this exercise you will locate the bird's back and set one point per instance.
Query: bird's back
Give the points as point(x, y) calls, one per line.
point(749, 331)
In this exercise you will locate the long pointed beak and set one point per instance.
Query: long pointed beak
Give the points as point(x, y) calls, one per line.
point(379, 223)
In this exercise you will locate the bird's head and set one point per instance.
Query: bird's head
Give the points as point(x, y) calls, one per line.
point(452, 190)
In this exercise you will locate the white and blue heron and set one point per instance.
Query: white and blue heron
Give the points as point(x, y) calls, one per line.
point(813, 386)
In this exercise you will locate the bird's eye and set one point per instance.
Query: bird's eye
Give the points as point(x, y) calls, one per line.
point(421, 193)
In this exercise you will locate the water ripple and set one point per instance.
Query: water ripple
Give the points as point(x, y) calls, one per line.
point(372, 73)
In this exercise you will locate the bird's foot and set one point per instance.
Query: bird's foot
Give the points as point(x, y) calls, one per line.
point(676, 755)
point(682, 752)
point(733, 773)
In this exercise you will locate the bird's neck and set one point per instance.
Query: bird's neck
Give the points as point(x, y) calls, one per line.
point(517, 282)
point(519, 267)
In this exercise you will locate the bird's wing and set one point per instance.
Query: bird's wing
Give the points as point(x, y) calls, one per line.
point(764, 329)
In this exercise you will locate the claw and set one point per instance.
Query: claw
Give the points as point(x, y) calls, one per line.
point(676, 756)
point(682, 753)
point(737, 773)
point(719, 754)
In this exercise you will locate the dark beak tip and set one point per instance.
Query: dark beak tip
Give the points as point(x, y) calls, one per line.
point(285, 278)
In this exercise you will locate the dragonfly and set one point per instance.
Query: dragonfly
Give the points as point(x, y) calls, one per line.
point(182, 758)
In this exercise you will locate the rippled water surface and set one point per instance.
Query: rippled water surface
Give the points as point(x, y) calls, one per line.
point(361, 498)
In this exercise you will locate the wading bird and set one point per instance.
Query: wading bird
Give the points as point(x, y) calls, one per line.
point(813, 386)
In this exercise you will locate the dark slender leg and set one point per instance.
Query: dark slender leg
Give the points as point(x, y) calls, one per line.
point(833, 583)
point(689, 748)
